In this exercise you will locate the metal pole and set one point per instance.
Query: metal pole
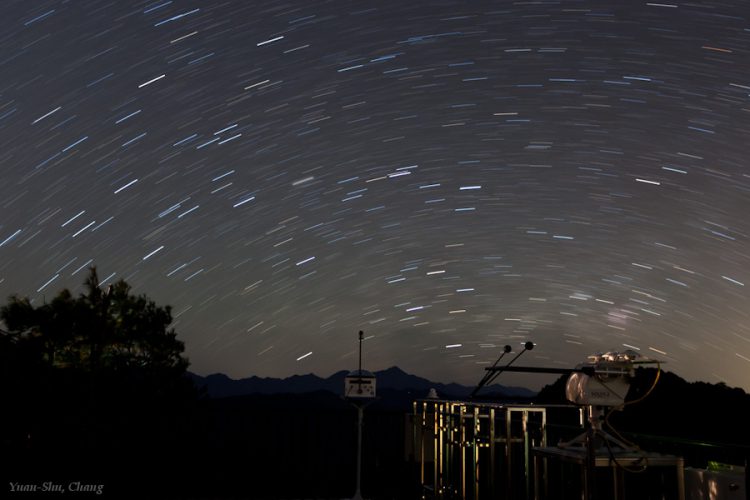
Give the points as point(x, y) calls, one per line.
point(590, 487)
point(361, 334)
point(508, 442)
point(492, 453)
point(358, 493)
point(525, 424)
point(462, 443)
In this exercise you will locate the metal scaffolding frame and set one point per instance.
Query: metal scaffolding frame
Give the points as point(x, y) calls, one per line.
point(475, 449)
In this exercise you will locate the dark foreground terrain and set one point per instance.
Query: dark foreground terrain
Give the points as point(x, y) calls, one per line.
point(141, 439)
point(261, 446)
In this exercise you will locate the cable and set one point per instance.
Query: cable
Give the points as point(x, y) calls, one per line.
point(619, 436)
point(650, 390)
point(628, 403)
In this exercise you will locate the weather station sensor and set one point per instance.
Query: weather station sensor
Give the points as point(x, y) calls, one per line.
point(360, 383)
point(359, 390)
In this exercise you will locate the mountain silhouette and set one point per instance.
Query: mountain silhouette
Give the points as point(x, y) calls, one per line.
point(219, 385)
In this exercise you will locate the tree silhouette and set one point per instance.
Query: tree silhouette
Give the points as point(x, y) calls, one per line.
point(101, 329)
point(90, 382)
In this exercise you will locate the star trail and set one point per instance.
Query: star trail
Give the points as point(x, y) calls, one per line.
point(447, 176)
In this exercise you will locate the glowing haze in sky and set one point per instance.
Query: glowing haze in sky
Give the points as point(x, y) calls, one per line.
point(447, 176)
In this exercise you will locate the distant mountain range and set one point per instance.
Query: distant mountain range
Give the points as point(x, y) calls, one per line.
point(219, 385)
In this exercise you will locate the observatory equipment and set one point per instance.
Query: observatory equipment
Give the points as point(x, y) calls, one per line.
point(493, 371)
point(600, 385)
point(605, 382)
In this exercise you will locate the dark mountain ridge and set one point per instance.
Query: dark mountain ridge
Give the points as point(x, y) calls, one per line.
point(218, 385)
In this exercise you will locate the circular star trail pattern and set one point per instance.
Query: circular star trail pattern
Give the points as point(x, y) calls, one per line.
point(448, 177)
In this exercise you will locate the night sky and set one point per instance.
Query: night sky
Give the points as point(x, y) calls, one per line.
point(447, 176)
